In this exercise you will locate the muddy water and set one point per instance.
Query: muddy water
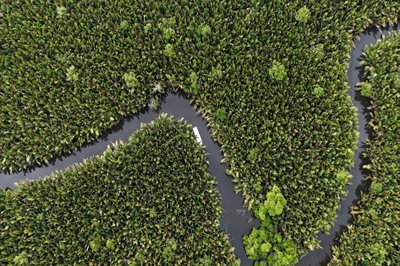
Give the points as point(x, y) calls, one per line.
point(236, 220)
point(354, 75)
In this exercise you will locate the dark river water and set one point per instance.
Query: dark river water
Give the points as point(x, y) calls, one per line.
point(236, 220)
point(354, 75)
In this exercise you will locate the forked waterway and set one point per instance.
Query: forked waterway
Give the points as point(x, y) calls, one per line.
point(236, 220)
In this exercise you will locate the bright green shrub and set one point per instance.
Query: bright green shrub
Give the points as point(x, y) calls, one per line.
point(275, 202)
point(124, 25)
point(193, 80)
point(277, 71)
point(61, 12)
point(169, 50)
point(204, 30)
point(216, 73)
point(317, 52)
point(343, 177)
point(303, 14)
point(366, 89)
point(253, 155)
point(72, 74)
point(265, 244)
point(273, 205)
point(131, 80)
point(21, 259)
point(221, 114)
point(168, 33)
point(318, 91)
point(110, 244)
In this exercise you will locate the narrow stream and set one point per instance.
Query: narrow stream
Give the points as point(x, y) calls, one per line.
point(354, 75)
point(236, 220)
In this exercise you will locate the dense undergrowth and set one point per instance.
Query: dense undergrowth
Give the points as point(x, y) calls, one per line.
point(148, 202)
point(269, 77)
point(374, 238)
point(292, 127)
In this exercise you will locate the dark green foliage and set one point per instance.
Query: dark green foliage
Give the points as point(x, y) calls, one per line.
point(317, 52)
point(148, 202)
point(374, 239)
point(304, 137)
point(70, 70)
point(221, 114)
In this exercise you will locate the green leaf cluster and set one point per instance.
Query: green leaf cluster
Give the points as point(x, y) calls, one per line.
point(266, 246)
point(366, 89)
point(72, 74)
point(149, 201)
point(131, 80)
point(61, 12)
point(277, 71)
point(303, 14)
point(375, 236)
point(272, 206)
point(275, 202)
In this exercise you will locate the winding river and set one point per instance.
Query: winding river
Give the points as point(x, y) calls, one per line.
point(236, 219)
point(354, 75)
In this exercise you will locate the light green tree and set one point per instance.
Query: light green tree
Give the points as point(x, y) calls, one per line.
point(303, 14)
point(277, 71)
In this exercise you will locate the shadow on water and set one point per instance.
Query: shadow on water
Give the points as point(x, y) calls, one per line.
point(236, 219)
point(358, 183)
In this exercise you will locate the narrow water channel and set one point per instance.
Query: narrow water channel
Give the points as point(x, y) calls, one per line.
point(354, 75)
point(236, 220)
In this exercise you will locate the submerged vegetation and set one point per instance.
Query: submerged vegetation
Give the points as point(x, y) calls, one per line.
point(150, 201)
point(374, 238)
point(269, 77)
